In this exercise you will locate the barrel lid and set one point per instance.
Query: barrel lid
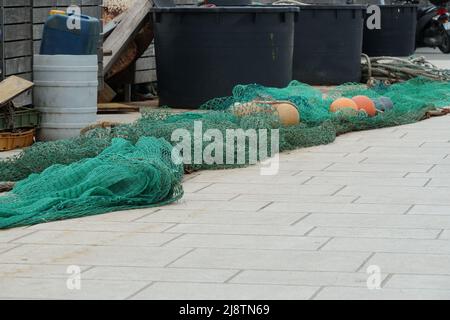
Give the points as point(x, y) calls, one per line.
point(231, 9)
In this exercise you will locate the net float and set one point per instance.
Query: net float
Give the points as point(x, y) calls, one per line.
point(286, 111)
point(366, 104)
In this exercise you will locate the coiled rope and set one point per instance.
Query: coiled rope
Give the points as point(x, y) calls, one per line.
point(392, 69)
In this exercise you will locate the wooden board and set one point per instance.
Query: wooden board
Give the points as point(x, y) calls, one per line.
point(13, 87)
point(116, 107)
point(107, 94)
point(123, 34)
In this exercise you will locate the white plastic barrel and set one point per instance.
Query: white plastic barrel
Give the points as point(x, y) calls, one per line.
point(65, 92)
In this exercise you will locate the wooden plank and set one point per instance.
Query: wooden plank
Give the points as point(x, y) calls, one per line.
point(13, 87)
point(116, 107)
point(124, 33)
point(17, 15)
point(14, 32)
point(145, 76)
point(111, 25)
point(17, 49)
point(147, 63)
point(107, 94)
point(18, 65)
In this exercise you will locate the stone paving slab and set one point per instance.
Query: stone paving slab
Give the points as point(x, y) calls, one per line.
point(373, 203)
point(204, 291)
point(311, 232)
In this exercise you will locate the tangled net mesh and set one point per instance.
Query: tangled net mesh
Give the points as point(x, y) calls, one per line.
point(145, 145)
point(122, 176)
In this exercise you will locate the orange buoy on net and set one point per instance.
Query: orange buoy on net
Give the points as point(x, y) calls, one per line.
point(366, 104)
point(286, 111)
point(342, 104)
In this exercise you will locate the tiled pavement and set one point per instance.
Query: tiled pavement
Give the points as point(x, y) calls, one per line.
point(376, 198)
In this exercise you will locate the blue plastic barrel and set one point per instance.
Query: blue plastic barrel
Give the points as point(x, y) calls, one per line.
point(78, 36)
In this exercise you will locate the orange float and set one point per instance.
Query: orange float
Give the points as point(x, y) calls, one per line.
point(366, 104)
point(286, 111)
point(342, 104)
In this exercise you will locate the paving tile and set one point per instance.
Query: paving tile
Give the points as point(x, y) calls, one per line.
point(438, 182)
point(303, 278)
point(306, 153)
point(302, 157)
point(93, 255)
point(406, 195)
point(367, 181)
point(9, 235)
point(270, 230)
point(248, 242)
point(426, 198)
point(272, 260)
point(443, 143)
point(159, 274)
point(80, 225)
point(255, 177)
point(440, 168)
point(389, 132)
point(390, 142)
point(190, 186)
point(412, 158)
point(336, 208)
point(209, 196)
point(218, 205)
point(378, 221)
point(446, 160)
point(363, 232)
point(339, 147)
point(5, 247)
point(304, 165)
point(445, 234)
point(430, 209)
point(256, 170)
point(347, 293)
point(379, 167)
point(355, 174)
point(57, 289)
point(439, 175)
point(412, 281)
point(97, 238)
point(426, 135)
point(197, 291)
point(39, 271)
point(388, 245)
point(375, 197)
point(295, 198)
point(442, 152)
point(120, 216)
point(266, 189)
point(403, 263)
point(212, 216)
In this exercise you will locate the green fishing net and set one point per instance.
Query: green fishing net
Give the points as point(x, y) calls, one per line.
point(123, 176)
point(412, 99)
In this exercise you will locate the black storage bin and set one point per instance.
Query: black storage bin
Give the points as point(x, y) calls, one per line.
point(397, 36)
point(202, 53)
point(328, 43)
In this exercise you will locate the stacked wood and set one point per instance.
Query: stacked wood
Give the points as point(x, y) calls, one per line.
point(130, 38)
